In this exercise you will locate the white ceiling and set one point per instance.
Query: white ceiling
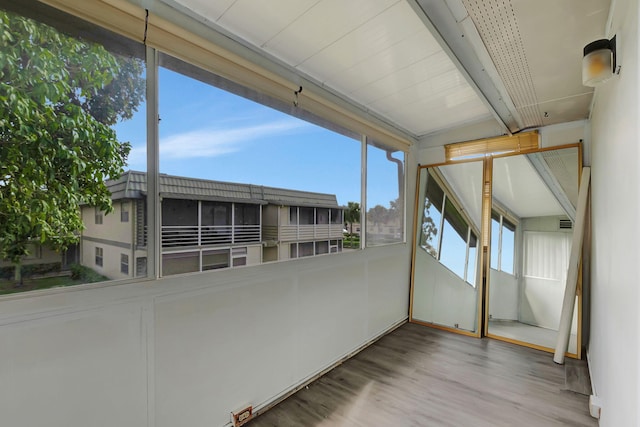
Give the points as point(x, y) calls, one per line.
point(377, 53)
point(381, 55)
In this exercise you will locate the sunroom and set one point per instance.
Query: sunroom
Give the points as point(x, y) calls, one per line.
point(460, 132)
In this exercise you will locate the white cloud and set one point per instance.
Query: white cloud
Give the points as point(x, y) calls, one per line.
point(212, 142)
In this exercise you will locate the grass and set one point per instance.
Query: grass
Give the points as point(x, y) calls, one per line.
point(31, 284)
point(351, 241)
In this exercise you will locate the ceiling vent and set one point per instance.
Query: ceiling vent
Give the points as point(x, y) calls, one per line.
point(566, 224)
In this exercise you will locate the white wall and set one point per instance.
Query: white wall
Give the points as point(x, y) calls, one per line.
point(186, 351)
point(613, 348)
point(441, 297)
point(503, 296)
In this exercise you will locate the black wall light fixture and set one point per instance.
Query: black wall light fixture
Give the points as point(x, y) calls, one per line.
point(598, 61)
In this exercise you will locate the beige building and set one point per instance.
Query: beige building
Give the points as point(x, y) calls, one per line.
point(208, 225)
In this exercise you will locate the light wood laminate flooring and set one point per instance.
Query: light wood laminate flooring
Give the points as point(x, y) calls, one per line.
point(419, 376)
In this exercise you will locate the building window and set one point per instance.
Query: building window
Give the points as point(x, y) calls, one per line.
point(238, 257)
point(99, 256)
point(293, 250)
point(99, 215)
point(141, 266)
point(124, 264)
point(322, 247)
point(124, 212)
point(305, 249)
point(215, 259)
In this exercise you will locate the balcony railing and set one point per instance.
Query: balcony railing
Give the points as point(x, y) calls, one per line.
point(208, 235)
point(310, 232)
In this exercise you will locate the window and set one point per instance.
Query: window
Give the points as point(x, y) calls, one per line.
point(322, 247)
point(214, 138)
point(385, 196)
point(34, 251)
point(502, 243)
point(215, 259)
point(124, 211)
point(305, 249)
point(141, 266)
point(99, 256)
point(76, 74)
point(322, 216)
point(239, 257)
point(124, 264)
point(337, 216)
point(306, 216)
point(448, 238)
point(432, 217)
point(98, 216)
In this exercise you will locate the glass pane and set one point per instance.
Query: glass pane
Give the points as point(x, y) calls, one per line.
point(266, 175)
point(385, 196)
point(526, 307)
point(508, 247)
point(495, 242)
point(454, 241)
point(74, 123)
point(444, 291)
point(431, 217)
point(472, 260)
point(179, 263)
point(212, 260)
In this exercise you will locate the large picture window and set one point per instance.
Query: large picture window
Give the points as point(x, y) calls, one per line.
point(73, 104)
point(238, 172)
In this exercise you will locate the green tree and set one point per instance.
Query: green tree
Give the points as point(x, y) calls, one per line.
point(351, 215)
point(59, 95)
point(378, 214)
point(429, 230)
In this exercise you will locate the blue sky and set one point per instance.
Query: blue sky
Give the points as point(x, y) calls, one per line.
point(208, 133)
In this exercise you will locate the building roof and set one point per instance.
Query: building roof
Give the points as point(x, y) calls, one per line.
point(133, 185)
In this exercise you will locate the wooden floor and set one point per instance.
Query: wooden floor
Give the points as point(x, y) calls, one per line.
point(419, 376)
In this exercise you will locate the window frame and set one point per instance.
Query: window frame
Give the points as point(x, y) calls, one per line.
point(124, 264)
point(98, 216)
point(124, 211)
point(99, 256)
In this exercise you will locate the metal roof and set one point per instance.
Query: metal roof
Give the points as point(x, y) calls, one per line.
point(133, 185)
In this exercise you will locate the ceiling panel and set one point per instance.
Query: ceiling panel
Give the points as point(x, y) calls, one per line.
point(377, 53)
point(321, 26)
point(536, 47)
point(268, 17)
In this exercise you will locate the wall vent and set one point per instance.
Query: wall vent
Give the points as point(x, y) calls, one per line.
point(566, 224)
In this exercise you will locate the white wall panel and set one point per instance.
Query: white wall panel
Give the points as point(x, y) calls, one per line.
point(187, 350)
point(614, 348)
point(79, 369)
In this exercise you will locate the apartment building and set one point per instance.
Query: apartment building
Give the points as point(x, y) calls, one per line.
point(208, 225)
